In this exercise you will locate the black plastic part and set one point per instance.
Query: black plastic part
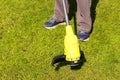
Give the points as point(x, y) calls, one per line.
point(73, 63)
point(59, 58)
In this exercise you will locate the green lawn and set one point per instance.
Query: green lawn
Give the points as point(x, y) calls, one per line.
point(27, 49)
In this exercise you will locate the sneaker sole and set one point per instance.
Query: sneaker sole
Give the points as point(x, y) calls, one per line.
point(55, 26)
point(84, 40)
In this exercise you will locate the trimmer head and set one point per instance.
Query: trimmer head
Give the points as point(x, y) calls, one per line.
point(61, 58)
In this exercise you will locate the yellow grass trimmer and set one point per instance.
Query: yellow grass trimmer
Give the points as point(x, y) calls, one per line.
point(71, 45)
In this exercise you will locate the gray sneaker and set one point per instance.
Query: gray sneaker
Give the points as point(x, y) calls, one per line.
point(83, 36)
point(52, 23)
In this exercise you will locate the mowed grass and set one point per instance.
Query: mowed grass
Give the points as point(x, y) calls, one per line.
point(27, 48)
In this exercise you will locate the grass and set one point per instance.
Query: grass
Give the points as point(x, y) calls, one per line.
point(26, 48)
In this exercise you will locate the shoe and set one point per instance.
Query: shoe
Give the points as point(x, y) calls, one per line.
point(83, 36)
point(52, 23)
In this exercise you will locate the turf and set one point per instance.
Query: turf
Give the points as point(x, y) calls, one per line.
point(27, 48)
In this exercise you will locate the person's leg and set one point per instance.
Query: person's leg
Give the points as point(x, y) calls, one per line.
point(58, 16)
point(59, 11)
point(83, 16)
point(84, 21)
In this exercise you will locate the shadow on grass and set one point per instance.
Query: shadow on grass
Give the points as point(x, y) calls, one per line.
point(81, 63)
point(93, 11)
point(73, 10)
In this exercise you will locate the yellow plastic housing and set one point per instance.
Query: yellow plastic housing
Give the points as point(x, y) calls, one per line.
point(71, 45)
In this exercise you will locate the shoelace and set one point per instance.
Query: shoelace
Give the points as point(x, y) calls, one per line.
point(83, 33)
point(52, 20)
